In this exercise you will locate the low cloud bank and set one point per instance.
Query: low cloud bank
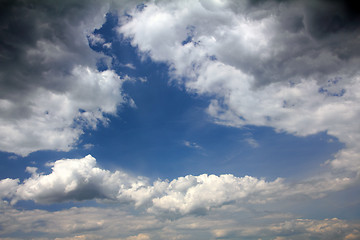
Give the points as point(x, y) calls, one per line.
point(81, 179)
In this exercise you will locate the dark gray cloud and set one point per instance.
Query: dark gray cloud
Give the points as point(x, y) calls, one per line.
point(27, 28)
point(50, 88)
point(304, 30)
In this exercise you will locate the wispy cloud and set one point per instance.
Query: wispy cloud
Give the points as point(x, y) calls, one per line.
point(192, 145)
point(252, 142)
point(88, 146)
point(127, 65)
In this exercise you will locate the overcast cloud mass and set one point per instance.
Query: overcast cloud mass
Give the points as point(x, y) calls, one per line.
point(292, 66)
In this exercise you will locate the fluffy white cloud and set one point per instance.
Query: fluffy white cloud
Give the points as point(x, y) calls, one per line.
point(56, 119)
point(81, 179)
point(198, 194)
point(201, 206)
point(274, 64)
point(8, 187)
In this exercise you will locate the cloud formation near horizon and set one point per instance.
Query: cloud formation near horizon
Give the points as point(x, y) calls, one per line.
point(81, 179)
point(103, 223)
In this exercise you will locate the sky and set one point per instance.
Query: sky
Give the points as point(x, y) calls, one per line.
point(179, 119)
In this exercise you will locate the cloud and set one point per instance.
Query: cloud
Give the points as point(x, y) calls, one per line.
point(75, 223)
point(252, 142)
point(130, 65)
point(290, 65)
point(139, 237)
point(198, 194)
point(88, 146)
point(81, 179)
point(103, 223)
point(294, 229)
point(8, 187)
point(192, 145)
point(50, 87)
point(324, 229)
point(56, 120)
point(95, 39)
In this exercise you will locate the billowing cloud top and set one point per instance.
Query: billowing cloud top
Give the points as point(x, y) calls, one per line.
point(81, 179)
point(50, 88)
point(290, 65)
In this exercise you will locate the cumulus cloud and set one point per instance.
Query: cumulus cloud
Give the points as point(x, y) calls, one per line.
point(50, 87)
point(8, 187)
point(56, 120)
point(290, 65)
point(81, 179)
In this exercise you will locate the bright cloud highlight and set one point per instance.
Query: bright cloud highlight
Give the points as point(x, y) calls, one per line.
point(269, 65)
point(81, 179)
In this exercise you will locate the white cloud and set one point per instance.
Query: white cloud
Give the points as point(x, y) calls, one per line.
point(140, 236)
point(8, 187)
point(252, 142)
point(96, 39)
point(57, 119)
point(75, 223)
point(50, 87)
point(81, 179)
point(103, 223)
point(130, 65)
point(264, 65)
point(293, 229)
point(108, 45)
point(192, 145)
point(88, 146)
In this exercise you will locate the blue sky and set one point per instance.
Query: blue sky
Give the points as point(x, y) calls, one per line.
point(179, 120)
